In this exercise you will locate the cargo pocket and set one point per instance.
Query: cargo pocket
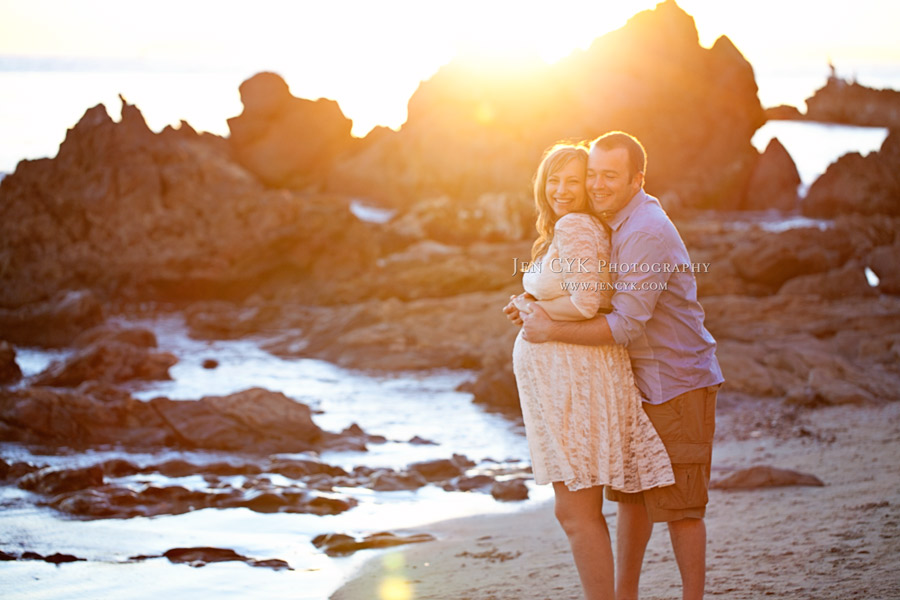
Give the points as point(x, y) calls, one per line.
point(690, 466)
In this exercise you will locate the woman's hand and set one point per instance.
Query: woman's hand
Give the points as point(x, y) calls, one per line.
point(516, 306)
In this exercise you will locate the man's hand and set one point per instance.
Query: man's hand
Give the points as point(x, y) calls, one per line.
point(512, 310)
point(537, 326)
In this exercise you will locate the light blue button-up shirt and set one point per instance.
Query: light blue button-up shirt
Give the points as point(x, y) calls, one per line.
point(655, 313)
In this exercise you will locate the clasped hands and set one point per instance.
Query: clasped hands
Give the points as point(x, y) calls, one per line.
point(523, 310)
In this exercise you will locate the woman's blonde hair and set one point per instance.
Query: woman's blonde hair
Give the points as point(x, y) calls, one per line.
point(555, 158)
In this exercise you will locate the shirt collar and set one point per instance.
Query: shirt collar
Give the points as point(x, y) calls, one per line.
point(616, 220)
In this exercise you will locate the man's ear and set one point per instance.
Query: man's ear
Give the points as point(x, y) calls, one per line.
point(638, 180)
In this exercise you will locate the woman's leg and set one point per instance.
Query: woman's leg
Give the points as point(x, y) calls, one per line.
point(581, 516)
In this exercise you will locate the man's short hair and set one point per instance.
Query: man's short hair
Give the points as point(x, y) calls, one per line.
point(637, 156)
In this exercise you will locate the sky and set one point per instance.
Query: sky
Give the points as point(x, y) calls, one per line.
point(371, 56)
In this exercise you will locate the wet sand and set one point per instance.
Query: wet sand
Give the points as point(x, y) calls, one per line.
point(840, 541)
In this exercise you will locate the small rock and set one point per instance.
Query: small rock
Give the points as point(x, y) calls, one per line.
point(765, 476)
point(510, 490)
point(210, 363)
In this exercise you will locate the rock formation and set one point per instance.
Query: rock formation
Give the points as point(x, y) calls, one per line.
point(842, 101)
point(476, 127)
point(774, 182)
point(286, 141)
point(129, 213)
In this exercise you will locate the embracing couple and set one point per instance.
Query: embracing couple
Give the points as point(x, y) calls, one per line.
point(617, 374)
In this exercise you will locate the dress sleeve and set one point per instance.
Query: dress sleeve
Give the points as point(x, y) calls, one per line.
point(579, 239)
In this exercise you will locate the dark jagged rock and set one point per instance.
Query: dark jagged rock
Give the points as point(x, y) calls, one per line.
point(495, 386)
point(283, 140)
point(54, 480)
point(9, 368)
point(765, 476)
point(51, 323)
point(867, 185)
point(133, 336)
point(774, 182)
point(254, 421)
point(129, 213)
point(56, 558)
point(477, 127)
point(109, 362)
point(201, 556)
point(341, 544)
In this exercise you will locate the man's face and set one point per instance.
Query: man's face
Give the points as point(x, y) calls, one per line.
point(608, 182)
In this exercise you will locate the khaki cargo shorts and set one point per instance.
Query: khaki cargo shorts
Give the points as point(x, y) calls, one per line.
point(686, 424)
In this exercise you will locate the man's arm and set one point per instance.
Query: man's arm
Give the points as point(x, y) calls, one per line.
point(538, 327)
point(633, 303)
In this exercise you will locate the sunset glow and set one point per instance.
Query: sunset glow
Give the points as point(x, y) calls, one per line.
point(370, 57)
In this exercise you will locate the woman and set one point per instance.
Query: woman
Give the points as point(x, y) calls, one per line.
point(582, 410)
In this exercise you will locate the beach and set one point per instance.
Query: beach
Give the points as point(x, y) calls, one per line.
point(802, 542)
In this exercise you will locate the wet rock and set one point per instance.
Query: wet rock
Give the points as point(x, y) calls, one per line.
point(420, 441)
point(765, 476)
point(467, 484)
point(496, 387)
point(56, 558)
point(283, 140)
point(51, 323)
point(389, 481)
point(437, 470)
point(298, 468)
point(340, 544)
point(119, 467)
point(774, 182)
point(110, 362)
point(254, 420)
point(55, 480)
point(510, 490)
point(201, 556)
point(9, 369)
point(132, 336)
point(265, 502)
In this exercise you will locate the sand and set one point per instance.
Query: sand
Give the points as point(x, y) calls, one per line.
point(839, 541)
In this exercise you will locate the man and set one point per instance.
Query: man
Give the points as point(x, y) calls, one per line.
point(657, 317)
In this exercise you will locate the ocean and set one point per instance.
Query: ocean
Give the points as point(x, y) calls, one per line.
point(41, 98)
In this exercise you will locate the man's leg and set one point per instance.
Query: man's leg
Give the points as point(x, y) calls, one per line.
point(689, 543)
point(633, 529)
point(581, 516)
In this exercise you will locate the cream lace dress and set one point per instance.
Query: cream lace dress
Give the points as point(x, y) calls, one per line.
point(582, 411)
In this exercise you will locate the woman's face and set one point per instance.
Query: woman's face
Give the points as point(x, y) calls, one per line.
point(565, 188)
